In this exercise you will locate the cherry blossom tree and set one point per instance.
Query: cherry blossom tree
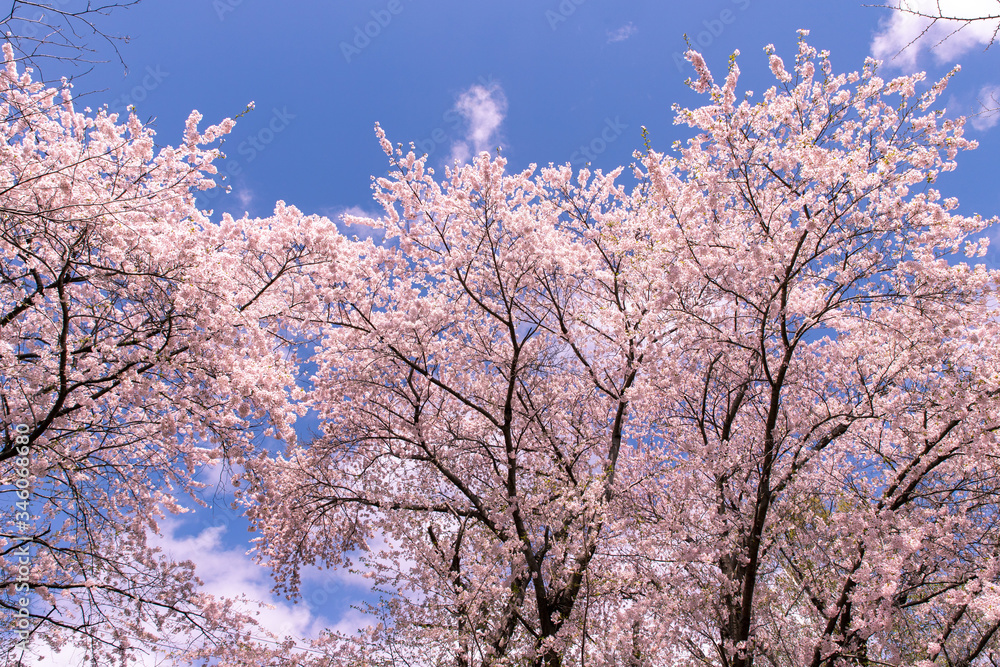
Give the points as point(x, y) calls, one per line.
point(743, 412)
point(139, 342)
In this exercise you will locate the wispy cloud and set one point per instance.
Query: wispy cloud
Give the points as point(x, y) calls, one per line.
point(987, 113)
point(483, 108)
point(347, 220)
point(905, 35)
point(230, 573)
point(245, 197)
point(622, 33)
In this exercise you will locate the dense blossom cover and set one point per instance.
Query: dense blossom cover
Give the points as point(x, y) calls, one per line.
point(742, 412)
point(140, 342)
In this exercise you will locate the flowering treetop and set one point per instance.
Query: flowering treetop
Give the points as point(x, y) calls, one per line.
point(744, 411)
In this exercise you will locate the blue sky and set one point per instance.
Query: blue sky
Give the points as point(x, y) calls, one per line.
point(548, 80)
point(568, 71)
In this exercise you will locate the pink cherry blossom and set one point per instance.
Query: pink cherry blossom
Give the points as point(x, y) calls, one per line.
point(140, 342)
point(743, 412)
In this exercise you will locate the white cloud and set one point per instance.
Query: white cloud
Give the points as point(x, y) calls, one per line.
point(987, 113)
point(244, 197)
point(358, 229)
point(230, 572)
point(352, 621)
point(622, 33)
point(905, 35)
point(483, 108)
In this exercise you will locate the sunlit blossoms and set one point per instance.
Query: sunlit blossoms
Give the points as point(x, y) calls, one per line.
point(736, 405)
point(742, 412)
point(140, 342)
